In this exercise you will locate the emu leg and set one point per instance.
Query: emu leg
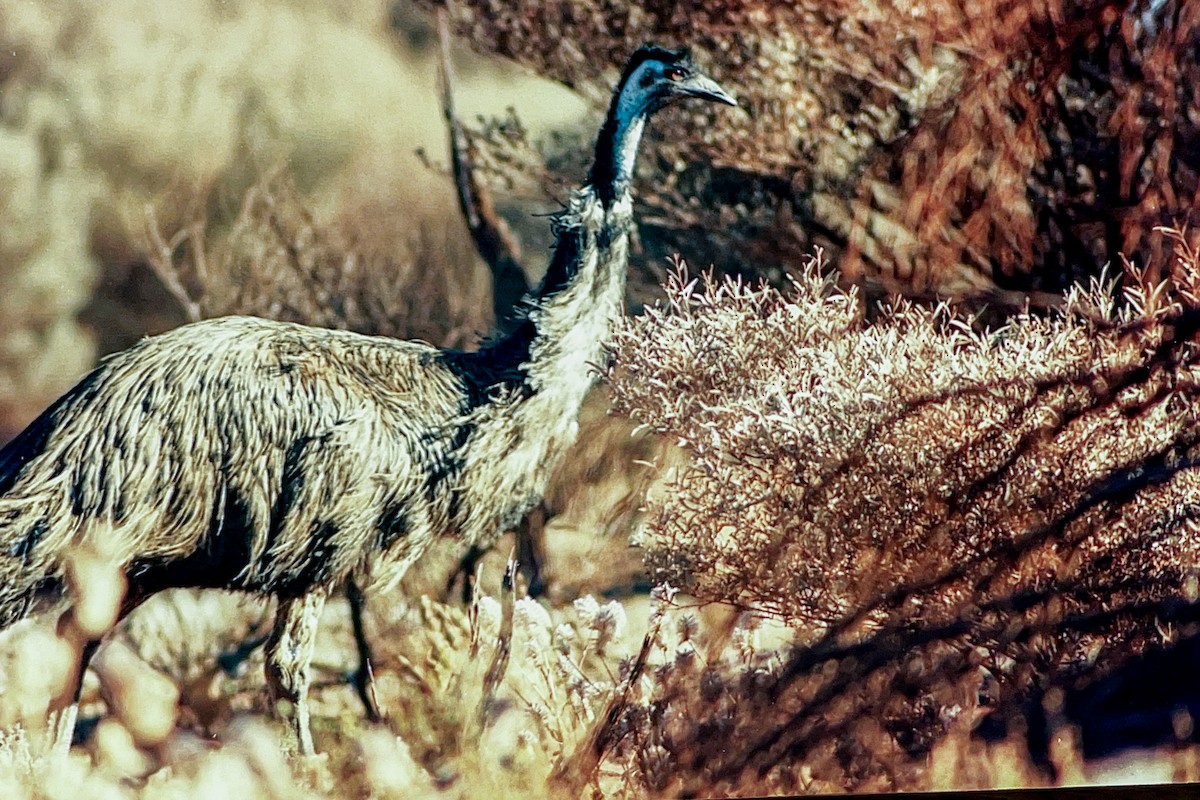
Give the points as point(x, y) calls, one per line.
point(531, 556)
point(466, 568)
point(289, 660)
point(64, 714)
point(362, 675)
point(531, 549)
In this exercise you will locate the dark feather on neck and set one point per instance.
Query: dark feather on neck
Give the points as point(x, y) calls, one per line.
point(603, 176)
point(499, 364)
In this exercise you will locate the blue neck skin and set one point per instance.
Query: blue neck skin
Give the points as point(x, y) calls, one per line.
point(617, 145)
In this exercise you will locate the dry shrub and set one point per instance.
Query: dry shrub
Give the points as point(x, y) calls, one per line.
point(930, 506)
point(1063, 149)
point(108, 107)
point(828, 452)
point(359, 269)
point(46, 268)
point(948, 147)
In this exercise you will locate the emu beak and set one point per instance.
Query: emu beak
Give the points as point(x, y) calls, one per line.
point(706, 89)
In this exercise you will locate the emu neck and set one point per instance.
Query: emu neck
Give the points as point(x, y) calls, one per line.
point(616, 149)
point(534, 381)
point(525, 390)
point(548, 359)
point(581, 296)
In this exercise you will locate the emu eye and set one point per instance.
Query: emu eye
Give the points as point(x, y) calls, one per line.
point(676, 74)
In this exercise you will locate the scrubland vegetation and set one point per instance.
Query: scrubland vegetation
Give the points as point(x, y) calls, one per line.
point(895, 543)
point(919, 525)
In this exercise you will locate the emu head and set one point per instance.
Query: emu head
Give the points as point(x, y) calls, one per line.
point(656, 76)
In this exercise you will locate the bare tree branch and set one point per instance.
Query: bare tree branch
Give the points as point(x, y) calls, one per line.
point(161, 257)
point(493, 238)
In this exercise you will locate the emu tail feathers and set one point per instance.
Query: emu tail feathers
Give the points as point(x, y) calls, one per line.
point(28, 574)
point(27, 571)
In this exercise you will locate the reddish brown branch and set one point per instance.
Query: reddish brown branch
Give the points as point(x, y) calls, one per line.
point(493, 238)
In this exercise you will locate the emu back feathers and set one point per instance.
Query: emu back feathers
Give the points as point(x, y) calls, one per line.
point(242, 452)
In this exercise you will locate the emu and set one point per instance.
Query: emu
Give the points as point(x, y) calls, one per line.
point(245, 454)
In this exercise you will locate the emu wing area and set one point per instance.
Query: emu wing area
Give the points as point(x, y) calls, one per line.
point(237, 453)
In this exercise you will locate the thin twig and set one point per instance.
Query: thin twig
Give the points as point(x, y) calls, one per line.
point(162, 262)
point(499, 665)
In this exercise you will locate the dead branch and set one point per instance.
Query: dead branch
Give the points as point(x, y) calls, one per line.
point(493, 238)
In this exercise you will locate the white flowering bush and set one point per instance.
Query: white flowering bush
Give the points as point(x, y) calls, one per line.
point(929, 504)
